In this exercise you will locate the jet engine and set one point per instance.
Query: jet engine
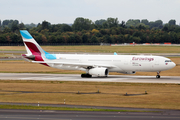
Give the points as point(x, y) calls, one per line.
point(101, 72)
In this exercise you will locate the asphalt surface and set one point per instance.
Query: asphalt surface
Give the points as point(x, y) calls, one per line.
point(76, 77)
point(80, 115)
point(155, 114)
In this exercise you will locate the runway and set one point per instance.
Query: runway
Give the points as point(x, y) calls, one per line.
point(76, 77)
point(80, 115)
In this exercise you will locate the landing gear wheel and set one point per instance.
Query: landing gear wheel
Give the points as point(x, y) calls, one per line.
point(157, 76)
point(86, 75)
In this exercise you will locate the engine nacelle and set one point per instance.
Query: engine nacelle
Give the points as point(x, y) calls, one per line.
point(99, 72)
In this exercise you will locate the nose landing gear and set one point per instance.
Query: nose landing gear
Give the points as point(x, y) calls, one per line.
point(158, 76)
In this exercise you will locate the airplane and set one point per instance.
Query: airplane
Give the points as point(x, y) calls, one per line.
point(96, 65)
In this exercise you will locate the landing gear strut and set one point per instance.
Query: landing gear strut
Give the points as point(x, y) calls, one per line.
point(86, 75)
point(158, 76)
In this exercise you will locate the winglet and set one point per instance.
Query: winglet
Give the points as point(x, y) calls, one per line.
point(115, 53)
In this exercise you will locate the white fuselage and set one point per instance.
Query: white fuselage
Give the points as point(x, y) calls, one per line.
point(99, 65)
point(120, 63)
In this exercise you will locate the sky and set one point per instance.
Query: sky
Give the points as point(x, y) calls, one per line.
point(66, 11)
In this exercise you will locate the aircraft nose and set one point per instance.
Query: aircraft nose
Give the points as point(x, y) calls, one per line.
point(173, 64)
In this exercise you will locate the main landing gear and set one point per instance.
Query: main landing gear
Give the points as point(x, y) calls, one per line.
point(158, 76)
point(86, 75)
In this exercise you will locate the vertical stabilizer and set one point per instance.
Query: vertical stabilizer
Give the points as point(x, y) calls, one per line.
point(32, 47)
point(34, 51)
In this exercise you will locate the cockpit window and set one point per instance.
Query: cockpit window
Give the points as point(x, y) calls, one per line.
point(168, 61)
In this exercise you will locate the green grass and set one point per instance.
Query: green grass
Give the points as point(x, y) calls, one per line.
point(25, 107)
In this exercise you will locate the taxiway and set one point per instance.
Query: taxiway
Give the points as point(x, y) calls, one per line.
point(80, 115)
point(76, 77)
point(6, 114)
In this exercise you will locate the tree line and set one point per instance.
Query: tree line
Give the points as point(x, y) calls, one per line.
point(84, 30)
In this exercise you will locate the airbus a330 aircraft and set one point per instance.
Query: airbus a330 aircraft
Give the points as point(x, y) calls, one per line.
point(98, 65)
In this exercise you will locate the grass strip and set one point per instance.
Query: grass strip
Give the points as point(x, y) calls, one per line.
point(162, 96)
point(29, 107)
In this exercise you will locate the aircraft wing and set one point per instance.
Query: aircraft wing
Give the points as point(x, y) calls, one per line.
point(83, 65)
